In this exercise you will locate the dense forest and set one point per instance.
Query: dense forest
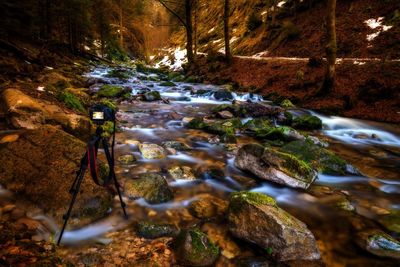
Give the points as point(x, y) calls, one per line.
point(199, 133)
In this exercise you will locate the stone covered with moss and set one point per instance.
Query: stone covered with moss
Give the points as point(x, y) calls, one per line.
point(71, 101)
point(151, 96)
point(193, 248)
point(109, 90)
point(307, 122)
point(150, 186)
point(152, 230)
point(256, 218)
point(122, 74)
point(320, 158)
point(275, 166)
point(287, 104)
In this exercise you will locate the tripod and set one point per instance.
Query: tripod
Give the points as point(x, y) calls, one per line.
point(89, 160)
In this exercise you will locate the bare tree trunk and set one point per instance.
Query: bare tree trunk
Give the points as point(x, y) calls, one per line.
point(189, 31)
point(228, 54)
point(196, 17)
point(121, 26)
point(331, 48)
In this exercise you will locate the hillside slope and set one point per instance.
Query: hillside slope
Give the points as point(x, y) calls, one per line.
point(365, 28)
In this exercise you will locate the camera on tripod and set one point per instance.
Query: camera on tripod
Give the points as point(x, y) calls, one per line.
point(99, 114)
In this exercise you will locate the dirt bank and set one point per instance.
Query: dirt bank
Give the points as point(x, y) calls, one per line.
point(364, 89)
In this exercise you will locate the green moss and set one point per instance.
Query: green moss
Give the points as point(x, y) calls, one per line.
point(108, 128)
point(239, 199)
point(167, 84)
point(141, 67)
point(391, 221)
point(71, 101)
point(122, 74)
point(109, 90)
point(320, 158)
point(201, 249)
point(287, 104)
point(307, 122)
point(153, 230)
point(61, 85)
point(294, 164)
point(197, 123)
point(152, 96)
point(109, 103)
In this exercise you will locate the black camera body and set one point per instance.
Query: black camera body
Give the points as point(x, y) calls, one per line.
point(99, 114)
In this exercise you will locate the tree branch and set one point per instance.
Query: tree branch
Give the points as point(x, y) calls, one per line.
point(173, 13)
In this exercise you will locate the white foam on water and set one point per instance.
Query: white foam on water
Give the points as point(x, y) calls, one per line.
point(183, 183)
point(354, 132)
point(218, 185)
point(165, 206)
point(149, 132)
point(331, 179)
point(185, 157)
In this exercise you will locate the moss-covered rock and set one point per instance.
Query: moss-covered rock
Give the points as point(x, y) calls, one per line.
point(275, 166)
point(109, 103)
point(127, 159)
point(152, 230)
point(71, 101)
point(179, 146)
point(256, 218)
point(181, 172)
point(196, 123)
point(223, 95)
point(287, 104)
point(167, 84)
point(391, 221)
point(152, 96)
point(109, 90)
point(285, 118)
point(123, 74)
point(283, 133)
point(150, 186)
point(193, 248)
point(307, 122)
point(225, 127)
point(152, 151)
point(379, 244)
point(320, 158)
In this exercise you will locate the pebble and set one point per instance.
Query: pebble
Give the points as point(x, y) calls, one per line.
point(9, 138)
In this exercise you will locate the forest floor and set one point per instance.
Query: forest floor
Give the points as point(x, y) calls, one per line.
point(365, 89)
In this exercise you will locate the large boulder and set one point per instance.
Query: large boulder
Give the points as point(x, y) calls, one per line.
point(307, 122)
point(256, 218)
point(41, 165)
point(150, 186)
point(223, 95)
point(26, 112)
point(275, 166)
point(193, 248)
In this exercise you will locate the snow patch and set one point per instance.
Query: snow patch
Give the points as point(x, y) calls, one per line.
point(376, 24)
point(179, 58)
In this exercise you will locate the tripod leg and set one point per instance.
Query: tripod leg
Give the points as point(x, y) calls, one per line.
point(111, 164)
point(76, 186)
point(81, 169)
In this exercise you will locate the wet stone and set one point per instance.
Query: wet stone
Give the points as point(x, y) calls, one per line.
point(152, 151)
point(181, 172)
point(379, 244)
point(127, 159)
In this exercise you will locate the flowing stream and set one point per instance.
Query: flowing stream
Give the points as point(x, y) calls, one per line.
point(373, 148)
